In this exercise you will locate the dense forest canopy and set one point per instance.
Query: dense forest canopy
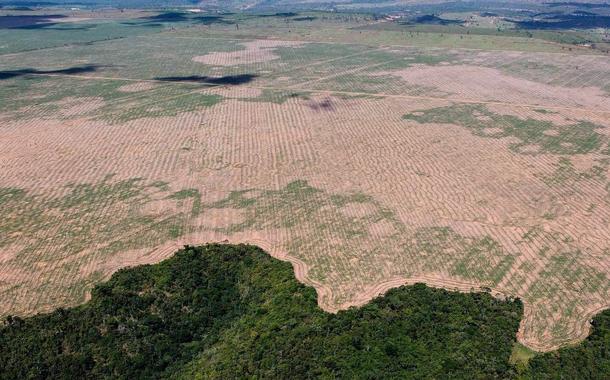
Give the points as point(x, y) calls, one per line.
point(232, 311)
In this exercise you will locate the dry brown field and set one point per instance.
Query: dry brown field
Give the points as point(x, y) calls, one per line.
point(366, 165)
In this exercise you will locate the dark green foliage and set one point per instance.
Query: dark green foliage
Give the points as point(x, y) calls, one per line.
point(224, 311)
point(587, 360)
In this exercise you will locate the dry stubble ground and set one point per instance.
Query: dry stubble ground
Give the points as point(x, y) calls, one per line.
point(458, 174)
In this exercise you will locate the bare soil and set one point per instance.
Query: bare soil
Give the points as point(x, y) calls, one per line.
point(254, 52)
point(489, 84)
point(387, 201)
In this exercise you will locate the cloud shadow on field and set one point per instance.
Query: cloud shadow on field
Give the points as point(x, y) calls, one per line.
point(168, 17)
point(432, 20)
point(228, 79)
point(178, 17)
point(305, 18)
point(577, 4)
point(580, 20)
point(209, 20)
point(279, 14)
point(28, 21)
point(8, 74)
point(57, 26)
point(49, 21)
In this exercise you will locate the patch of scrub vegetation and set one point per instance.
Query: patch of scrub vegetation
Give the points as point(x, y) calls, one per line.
point(543, 111)
point(521, 355)
point(536, 70)
point(8, 194)
point(574, 277)
point(44, 94)
point(485, 261)
point(356, 82)
point(493, 37)
point(84, 212)
point(74, 33)
point(324, 57)
point(192, 194)
point(479, 259)
point(20, 92)
point(543, 136)
point(348, 96)
point(565, 174)
point(61, 233)
point(41, 95)
point(279, 96)
point(325, 61)
point(169, 105)
point(369, 73)
point(577, 276)
point(225, 311)
point(349, 223)
point(409, 58)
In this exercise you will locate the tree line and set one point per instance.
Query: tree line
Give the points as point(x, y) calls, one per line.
point(231, 311)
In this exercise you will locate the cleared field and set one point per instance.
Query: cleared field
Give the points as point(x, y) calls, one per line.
point(366, 166)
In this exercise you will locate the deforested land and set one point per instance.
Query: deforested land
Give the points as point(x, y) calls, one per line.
point(464, 149)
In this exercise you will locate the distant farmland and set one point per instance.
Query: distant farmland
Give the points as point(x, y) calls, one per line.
point(368, 158)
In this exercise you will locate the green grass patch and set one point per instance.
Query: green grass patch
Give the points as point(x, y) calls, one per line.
point(565, 174)
point(539, 135)
point(279, 96)
point(77, 33)
point(543, 111)
point(51, 95)
point(194, 194)
point(521, 355)
point(314, 214)
point(90, 221)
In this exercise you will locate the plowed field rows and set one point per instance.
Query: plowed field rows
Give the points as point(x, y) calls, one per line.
point(365, 166)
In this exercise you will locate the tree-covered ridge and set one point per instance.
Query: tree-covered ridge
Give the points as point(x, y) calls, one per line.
point(224, 311)
point(232, 311)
